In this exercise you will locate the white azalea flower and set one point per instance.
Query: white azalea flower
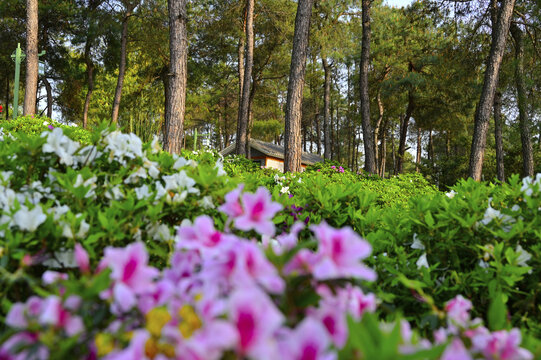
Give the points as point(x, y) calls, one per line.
point(143, 192)
point(523, 256)
point(528, 184)
point(451, 194)
point(61, 145)
point(284, 190)
point(422, 262)
point(134, 177)
point(29, 220)
point(152, 168)
point(220, 166)
point(155, 146)
point(122, 146)
point(114, 193)
point(483, 264)
point(206, 202)
point(417, 244)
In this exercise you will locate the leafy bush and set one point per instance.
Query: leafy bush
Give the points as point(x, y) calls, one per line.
point(90, 263)
point(35, 125)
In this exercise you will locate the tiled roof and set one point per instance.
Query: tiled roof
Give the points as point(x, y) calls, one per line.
point(274, 150)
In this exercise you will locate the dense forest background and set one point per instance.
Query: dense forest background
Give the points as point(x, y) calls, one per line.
point(426, 72)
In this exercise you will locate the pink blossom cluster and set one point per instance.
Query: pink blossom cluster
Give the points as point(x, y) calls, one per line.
point(221, 296)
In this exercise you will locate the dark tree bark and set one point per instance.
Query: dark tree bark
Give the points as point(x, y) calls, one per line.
point(486, 101)
point(89, 79)
point(250, 119)
point(7, 97)
point(178, 73)
point(404, 133)
point(122, 66)
point(31, 88)
point(430, 148)
point(498, 136)
point(49, 92)
point(419, 150)
point(244, 106)
point(327, 108)
point(292, 138)
point(527, 151)
point(393, 152)
point(318, 130)
point(240, 67)
point(368, 135)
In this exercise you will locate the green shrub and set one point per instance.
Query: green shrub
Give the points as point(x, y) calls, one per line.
point(35, 125)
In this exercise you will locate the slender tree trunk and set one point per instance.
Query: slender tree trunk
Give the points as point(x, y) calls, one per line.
point(250, 120)
point(164, 75)
point(178, 73)
point(383, 151)
point(318, 130)
point(327, 108)
point(31, 88)
point(244, 106)
point(393, 152)
point(378, 125)
point(419, 149)
point(486, 101)
point(122, 65)
point(49, 91)
point(527, 151)
point(498, 136)
point(7, 97)
point(368, 135)
point(431, 148)
point(89, 79)
point(242, 45)
point(404, 133)
point(292, 138)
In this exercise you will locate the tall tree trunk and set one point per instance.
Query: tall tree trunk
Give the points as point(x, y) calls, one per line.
point(368, 135)
point(378, 125)
point(178, 73)
point(240, 67)
point(419, 149)
point(89, 80)
point(122, 65)
point(31, 88)
point(404, 133)
point(164, 75)
point(393, 152)
point(327, 108)
point(250, 120)
point(49, 91)
point(7, 97)
point(383, 151)
point(527, 151)
point(244, 106)
point(431, 148)
point(292, 138)
point(498, 136)
point(482, 113)
point(318, 130)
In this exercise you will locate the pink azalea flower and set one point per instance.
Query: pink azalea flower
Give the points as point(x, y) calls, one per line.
point(56, 315)
point(211, 341)
point(255, 318)
point(456, 351)
point(232, 206)
point(259, 209)
point(17, 347)
point(340, 253)
point(302, 263)
point(134, 351)
point(49, 277)
point(81, 258)
point(357, 302)
point(201, 236)
point(288, 241)
point(331, 312)
point(309, 341)
point(130, 273)
point(458, 311)
point(243, 263)
point(501, 345)
point(20, 313)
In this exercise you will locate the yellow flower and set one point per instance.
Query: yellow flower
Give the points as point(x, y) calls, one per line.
point(190, 321)
point(104, 344)
point(156, 319)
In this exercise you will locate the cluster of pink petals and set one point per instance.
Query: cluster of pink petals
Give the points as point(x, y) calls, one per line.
point(228, 297)
point(254, 212)
point(339, 255)
point(130, 273)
